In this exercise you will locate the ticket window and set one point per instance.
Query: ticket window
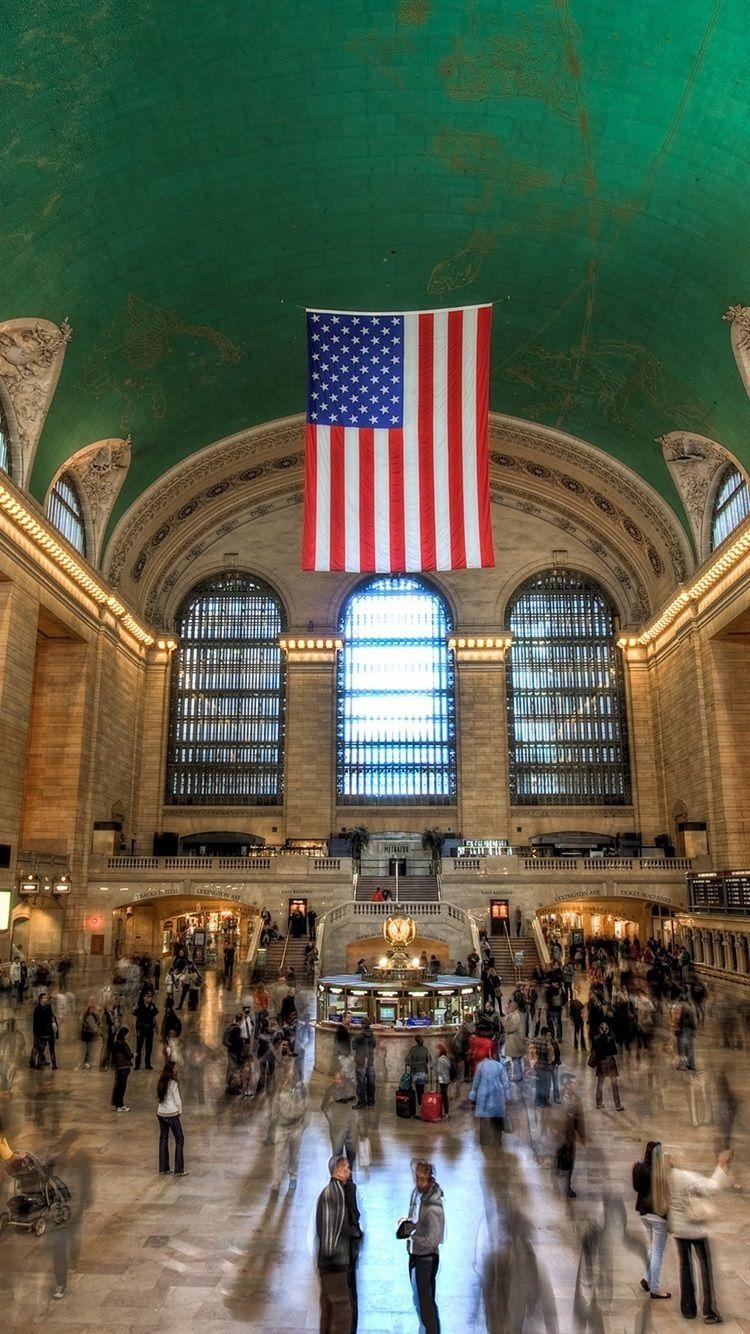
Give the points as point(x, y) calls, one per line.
point(357, 1007)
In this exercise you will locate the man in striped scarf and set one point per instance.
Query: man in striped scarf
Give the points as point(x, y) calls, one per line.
point(339, 1236)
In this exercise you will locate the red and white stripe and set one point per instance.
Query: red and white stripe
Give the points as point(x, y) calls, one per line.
point(416, 498)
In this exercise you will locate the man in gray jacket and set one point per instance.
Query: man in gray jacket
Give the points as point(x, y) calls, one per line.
point(424, 1229)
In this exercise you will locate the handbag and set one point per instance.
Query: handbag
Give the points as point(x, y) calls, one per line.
point(592, 1061)
point(404, 1083)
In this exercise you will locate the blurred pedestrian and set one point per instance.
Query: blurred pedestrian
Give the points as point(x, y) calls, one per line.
point(90, 1032)
point(123, 1063)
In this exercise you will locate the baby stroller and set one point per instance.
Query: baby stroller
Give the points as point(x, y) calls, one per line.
point(36, 1195)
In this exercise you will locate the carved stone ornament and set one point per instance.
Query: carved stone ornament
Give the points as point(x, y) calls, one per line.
point(694, 463)
point(101, 469)
point(739, 318)
point(31, 358)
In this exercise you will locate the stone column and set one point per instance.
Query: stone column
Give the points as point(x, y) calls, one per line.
point(648, 797)
point(153, 754)
point(310, 735)
point(19, 612)
point(482, 731)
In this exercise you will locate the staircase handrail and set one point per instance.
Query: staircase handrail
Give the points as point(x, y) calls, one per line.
point(253, 943)
point(540, 942)
point(283, 952)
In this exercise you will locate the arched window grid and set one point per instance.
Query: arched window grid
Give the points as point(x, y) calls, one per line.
point(227, 716)
point(567, 721)
point(65, 512)
point(5, 455)
point(731, 505)
point(396, 721)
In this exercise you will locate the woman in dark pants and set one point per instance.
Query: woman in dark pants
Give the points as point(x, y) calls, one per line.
point(123, 1062)
point(169, 1112)
point(690, 1230)
point(603, 1058)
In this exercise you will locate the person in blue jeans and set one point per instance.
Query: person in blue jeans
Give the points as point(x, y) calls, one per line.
point(169, 1114)
point(651, 1185)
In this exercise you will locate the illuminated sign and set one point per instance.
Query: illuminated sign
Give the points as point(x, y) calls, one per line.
point(4, 909)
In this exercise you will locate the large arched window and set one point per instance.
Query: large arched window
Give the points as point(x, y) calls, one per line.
point(396, 734)
point(65, 512)
point(731, 505)
point(5, 459)
point(566, 700)
point(226, 729)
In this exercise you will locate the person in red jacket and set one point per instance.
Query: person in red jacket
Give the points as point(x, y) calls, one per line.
point(481, 1045)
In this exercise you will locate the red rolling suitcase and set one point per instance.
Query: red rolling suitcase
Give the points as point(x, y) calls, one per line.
point(431, 1108)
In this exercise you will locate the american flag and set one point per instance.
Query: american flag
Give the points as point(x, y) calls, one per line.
point(397, 471)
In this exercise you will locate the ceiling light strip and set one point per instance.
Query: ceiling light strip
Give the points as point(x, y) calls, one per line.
point(48, 543)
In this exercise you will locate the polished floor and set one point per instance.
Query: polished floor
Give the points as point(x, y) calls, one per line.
point(214, 1251)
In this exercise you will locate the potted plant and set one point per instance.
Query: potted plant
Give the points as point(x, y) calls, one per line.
point(358, 837)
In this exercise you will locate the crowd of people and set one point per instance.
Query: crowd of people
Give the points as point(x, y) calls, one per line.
point(519, 1070)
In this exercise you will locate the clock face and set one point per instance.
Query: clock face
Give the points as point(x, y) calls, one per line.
point(400, 931)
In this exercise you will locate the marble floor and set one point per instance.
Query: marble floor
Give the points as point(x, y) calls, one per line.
point(214, 1251)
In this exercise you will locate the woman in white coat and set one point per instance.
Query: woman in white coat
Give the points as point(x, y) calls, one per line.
point(515, 1039)
point(687, 1191)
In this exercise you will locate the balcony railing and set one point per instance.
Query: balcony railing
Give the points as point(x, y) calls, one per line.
point(251, 865)
point(545, 865)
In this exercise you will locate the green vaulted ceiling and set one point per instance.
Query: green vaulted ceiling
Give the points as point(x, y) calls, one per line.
point(181, 178)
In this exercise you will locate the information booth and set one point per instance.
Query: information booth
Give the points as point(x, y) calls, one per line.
point(397, 1010)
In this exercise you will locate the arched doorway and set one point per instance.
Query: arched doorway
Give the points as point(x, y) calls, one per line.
point(577, 921)
point(202, 923)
